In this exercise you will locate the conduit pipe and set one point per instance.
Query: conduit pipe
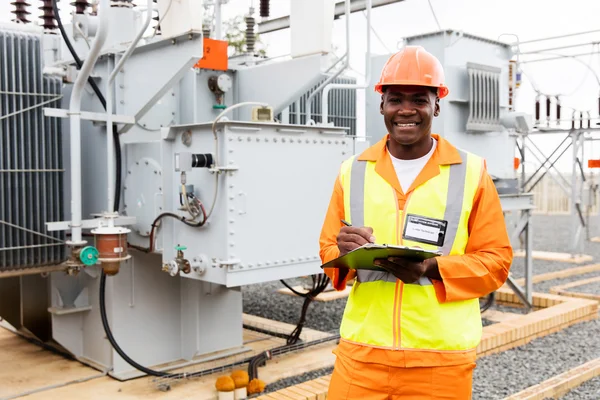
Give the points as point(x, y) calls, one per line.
point(327, 89)
point(345, 58)
point(110, 151)
point(75, 122)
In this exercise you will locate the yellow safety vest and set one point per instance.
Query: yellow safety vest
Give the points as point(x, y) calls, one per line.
point(384, 312)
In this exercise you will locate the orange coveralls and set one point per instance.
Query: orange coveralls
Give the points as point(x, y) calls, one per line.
point(481, 270)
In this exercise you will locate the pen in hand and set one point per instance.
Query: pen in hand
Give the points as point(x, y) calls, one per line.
point(370, 239)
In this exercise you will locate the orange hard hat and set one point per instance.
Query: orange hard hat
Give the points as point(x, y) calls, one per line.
point(413, 65)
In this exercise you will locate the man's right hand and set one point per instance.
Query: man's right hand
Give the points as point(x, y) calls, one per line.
point(351, 238)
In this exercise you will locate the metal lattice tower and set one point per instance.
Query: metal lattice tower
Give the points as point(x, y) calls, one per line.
point(20, 11)
point(48, 15)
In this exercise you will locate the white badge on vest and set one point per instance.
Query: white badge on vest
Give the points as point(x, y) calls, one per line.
point(425, 230)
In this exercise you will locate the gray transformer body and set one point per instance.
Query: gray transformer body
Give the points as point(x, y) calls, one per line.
point(274, 184)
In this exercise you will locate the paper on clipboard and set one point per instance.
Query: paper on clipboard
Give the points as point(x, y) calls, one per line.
point(364, 256)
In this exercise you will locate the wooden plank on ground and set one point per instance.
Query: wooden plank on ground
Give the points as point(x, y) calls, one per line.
point(282, 367)
point(565, 273)
point(25, 366)
point(560, 384)
point(325, 296)
point(281, 327)
point(499, 316)
point(552, 256)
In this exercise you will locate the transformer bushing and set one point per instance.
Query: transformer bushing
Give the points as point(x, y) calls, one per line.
point(122, 3)
point(20, 11)
point(264, 8)
point(80, 6)
point(156, 18)
point(48, 15)
point(250, 36)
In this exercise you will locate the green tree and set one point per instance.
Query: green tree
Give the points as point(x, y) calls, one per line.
point(235, 34)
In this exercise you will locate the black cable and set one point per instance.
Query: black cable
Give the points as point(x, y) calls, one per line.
point(116, 138)
point(111, 338)
point(489, 301)
point(320, 283)
point(74, 53)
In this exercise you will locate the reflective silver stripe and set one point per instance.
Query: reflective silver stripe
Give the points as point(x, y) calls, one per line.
point(452, 214)
point(357, 192)
point(365, 275)
point(454, 201)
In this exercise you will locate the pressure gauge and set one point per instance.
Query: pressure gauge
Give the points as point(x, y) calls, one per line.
point(224, 83)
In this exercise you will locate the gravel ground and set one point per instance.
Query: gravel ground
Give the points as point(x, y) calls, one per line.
point(590, 288)
point(553, 234)
point(588, 391)
point(497, 375)
point(545, 286)
point(509, 372)
point(263, 300)
point(296, 380)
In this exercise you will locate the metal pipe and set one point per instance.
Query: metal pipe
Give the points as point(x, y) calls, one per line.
point(75, 122)
point(308, 103)
point(110, 151)
point(327, 89)
point(528, 259)
point(345, 57)
point(218, 19)
point(574, 189)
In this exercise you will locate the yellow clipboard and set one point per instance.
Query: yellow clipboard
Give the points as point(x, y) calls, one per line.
point(364, 256)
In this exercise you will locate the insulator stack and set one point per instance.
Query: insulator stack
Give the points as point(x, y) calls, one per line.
point(80, 6)
point(250, 36)
point(206, 31)
point(548, 105)
point(558, 110)
point(537, 109)
point(20, 11)
point(122, 3)
point(264, 8)
point(589, 118)
point(48, 15)
point(156, 18)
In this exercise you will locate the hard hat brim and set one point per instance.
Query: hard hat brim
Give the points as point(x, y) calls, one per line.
point(443, 90)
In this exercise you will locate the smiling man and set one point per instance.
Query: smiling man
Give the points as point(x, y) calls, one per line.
point(410, 329)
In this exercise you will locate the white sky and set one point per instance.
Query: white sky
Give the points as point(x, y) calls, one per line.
point(529, 19)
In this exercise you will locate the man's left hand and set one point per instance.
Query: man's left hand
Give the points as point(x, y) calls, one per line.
point(409, 271)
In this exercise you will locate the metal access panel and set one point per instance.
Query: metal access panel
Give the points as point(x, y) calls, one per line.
point(476, 71)
point(271, 200)
point(31, 174)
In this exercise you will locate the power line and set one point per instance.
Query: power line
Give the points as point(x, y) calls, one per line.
point(377, 35)
point(434, 16)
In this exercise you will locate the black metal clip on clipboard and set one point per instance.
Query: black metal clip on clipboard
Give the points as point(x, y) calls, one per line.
point(364, 256)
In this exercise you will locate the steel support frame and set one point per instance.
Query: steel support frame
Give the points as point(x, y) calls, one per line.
point(522, 203)
point(575, 140)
